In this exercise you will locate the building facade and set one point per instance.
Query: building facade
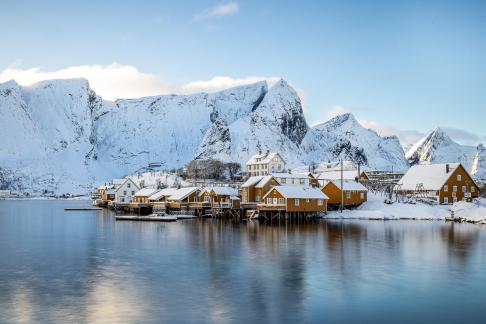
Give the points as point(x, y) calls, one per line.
point(264, 164)
point(125, 191)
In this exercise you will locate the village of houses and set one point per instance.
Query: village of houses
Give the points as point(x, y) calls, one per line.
point(267, 190)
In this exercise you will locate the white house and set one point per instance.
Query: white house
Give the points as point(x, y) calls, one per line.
point(125, 191)
point(263, 164)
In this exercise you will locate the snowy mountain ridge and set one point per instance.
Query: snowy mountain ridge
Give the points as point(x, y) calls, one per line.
point(62, 137)
point(438, 147)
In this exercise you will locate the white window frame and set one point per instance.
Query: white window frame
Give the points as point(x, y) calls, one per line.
point(275, 201)
point(454, 188)
point(459, 177)
point(473, 189)
point(454, 199)
point(348, 194)
point(320, 202)
point(464, 189)
point(297, 202)
point(257, 198)
point(446, 188)
point(361, 195)
point(124, 192)
point(269, 201)
point(302, 181)
point(446, 200)
point(281, 201)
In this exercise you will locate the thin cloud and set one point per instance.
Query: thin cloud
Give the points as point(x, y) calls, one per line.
point(115, 81)
point(223, 9)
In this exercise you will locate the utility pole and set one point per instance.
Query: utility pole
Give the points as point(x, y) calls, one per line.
point(342, 188)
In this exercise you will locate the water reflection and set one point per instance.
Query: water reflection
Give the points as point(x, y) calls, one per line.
point(85, 267)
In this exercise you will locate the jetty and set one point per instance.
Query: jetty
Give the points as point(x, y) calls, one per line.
point(146, 218)
point(82, 208)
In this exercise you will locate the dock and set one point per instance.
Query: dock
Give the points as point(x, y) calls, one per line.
point(83, 208)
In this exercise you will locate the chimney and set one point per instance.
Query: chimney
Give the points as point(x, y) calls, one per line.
point(447, 168)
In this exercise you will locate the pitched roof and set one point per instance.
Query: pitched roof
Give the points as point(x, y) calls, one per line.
point(126, 180)
point(167, 192)
point(290, 175)
point(182, 193)
point(264, 181)
point(299, 192)
point(252, 181)
point(222, 191)
point(264, 158)
point(349, 185)
point(336, 174)
point(432, 176)
point(146, 192)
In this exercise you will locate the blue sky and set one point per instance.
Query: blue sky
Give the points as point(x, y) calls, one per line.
point(400, 67)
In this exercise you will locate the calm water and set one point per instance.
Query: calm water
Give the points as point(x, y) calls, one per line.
point(58, 266)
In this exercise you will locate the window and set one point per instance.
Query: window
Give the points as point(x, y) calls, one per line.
point(123, 199)
point(454, 188)
point(446, 188)
point(128, 185)
point(275, 159)
point(446, 200)
point(454, 199)
point(320, 202)
point(296, 202)
point(302, 181)
point(206, 198)
point(279, 166)
point(454, 194)
point(473, 189)
point(281, 201)
point(463, 188)
point(133, 192)
point(361, 195)
point(283, 181)
point(459, 177)
point(348, 194)
point(307, 200)
point(293, 180)
point(275, 201)
point(257, 198)
point(124, 192)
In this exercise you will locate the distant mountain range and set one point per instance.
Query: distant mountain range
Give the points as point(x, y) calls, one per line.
point(60, 136)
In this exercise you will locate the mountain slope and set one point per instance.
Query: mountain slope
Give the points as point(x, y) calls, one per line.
point(438, 147)
point(70, 138)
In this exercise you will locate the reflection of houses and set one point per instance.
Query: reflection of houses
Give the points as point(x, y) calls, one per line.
point(125, 191)
point(254, 189)
point(445, 183)
point(263, 164)
point(353, 193)
point(292, 200)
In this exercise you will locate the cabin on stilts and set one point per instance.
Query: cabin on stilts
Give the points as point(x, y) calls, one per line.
point(292, 202)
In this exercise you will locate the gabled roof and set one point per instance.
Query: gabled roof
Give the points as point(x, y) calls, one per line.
point(252, 181)
point(335, 175)
point(183, 193)
point(290, 175)
point(298, 192)
point(222, 191)
point(167, 192)
point(264, 181)
point(349, 185)
point(124, 181)
point(118, 182)
point(432, 176)
point(145, 192)
point(264, 158)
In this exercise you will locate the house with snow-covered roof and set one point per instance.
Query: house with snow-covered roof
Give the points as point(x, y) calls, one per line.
point(264, 164)
point(253, 190)
point(287, 178)
point(182, 197)
point(220, 197)
point(125, 191)
point(352, 192)
point(444, 182)
point(142, 196)
point(293, 199)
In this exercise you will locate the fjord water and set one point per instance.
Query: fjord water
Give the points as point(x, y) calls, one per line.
point(58, 266)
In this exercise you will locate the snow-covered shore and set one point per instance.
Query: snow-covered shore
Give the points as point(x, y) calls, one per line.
point(375, 208)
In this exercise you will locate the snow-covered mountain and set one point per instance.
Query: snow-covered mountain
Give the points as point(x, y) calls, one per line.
point(438, 147)
point(60, 136)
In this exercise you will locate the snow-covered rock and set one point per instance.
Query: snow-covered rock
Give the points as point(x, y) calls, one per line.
point(60, 136)
point(438, 147)
point(343, 137)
